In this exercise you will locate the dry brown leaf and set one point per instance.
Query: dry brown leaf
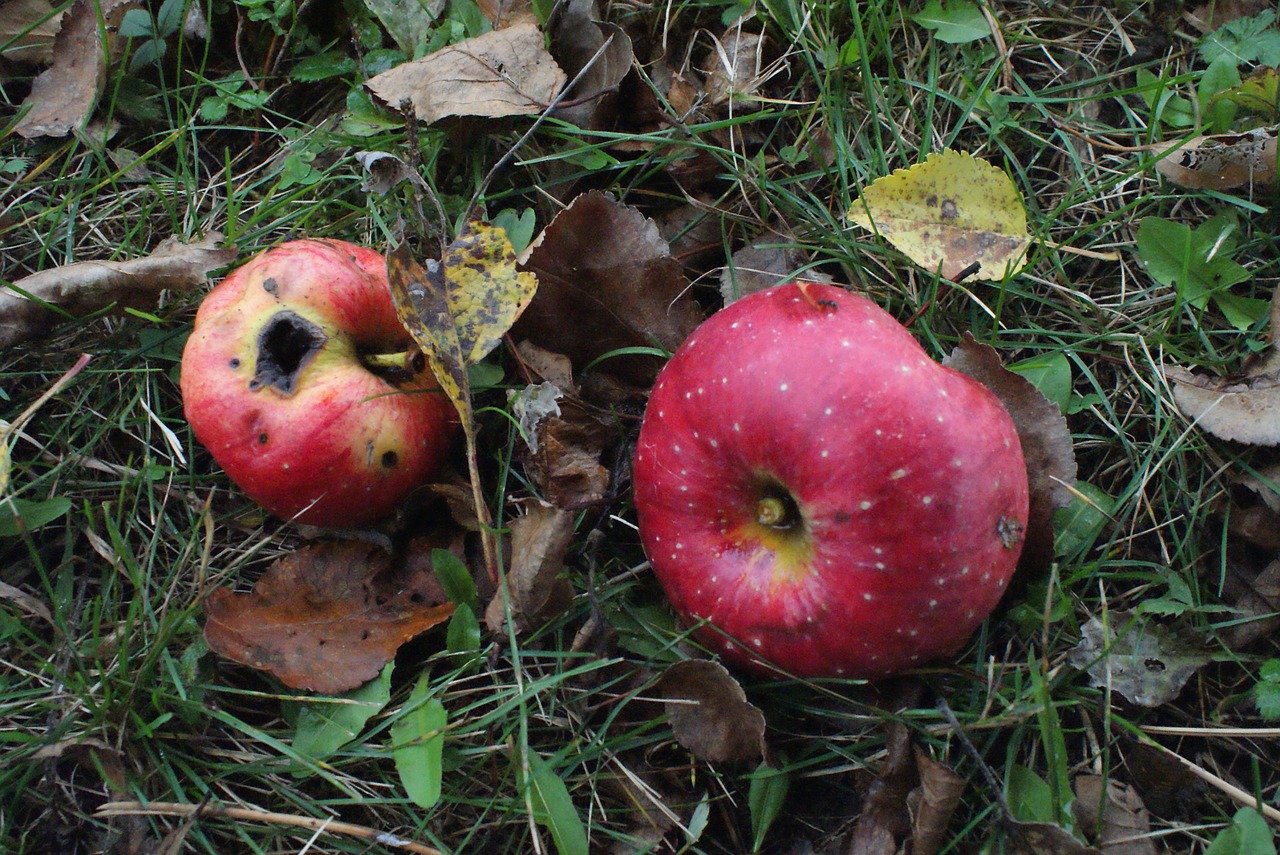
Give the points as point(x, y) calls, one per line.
point(1243, 407)
point(554, 368)
point(1221, 161)
point(1113, 815)
point(771, 259)
point(1255, 508)
point(1167, 786)
point(885, 822)
point(88, 286)
point(709, 712)
point(536, 584)
point(1254, 593)
point(501, 73)
point(63, 95)
point(28, 27)
point(576, 39)
point(505, 13)
point(1046, 443)
point(566, 464)
point(1043, 838)
point(326, 618)
point(735, 69)
point(28, 603)
point(1213, 14)
point(607, 281)
point(1131, 655)
point(933, 803)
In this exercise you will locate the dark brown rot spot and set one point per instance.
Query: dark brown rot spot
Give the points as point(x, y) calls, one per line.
point(269, 285)
point(1010, 531)
point(235, 363)
point(949, 210)
point(262, 439)
point(390, 459)
point(843, 517)
point(285, 346)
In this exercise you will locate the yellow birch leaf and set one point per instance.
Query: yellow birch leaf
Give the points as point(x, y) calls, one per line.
point(486, 294)
point(948, 214)
point(422, 304)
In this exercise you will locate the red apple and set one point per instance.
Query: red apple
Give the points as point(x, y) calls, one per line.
point(817, 495)
point(287, 380)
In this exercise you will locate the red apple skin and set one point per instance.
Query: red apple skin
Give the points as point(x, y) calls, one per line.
point(336, 444)
point(907, 479)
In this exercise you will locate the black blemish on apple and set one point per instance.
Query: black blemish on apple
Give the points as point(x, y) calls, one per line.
point(269, 285)
point(843, 517)
point(262, 439)
point(235, 362)
point(1010, 531)
point(285, 345)
point(390, 459)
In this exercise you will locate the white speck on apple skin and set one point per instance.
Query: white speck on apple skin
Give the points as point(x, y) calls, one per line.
point(865, 505)
point(927, 500)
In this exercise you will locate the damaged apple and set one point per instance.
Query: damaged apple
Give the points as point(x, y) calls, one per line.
point(296, 380)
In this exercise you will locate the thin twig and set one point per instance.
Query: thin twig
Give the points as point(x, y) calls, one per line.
point(310, 823)
point(525, 137)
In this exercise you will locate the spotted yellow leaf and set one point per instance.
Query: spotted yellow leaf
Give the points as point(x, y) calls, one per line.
point(485, 293)
point(953, 213)
point(421, 297)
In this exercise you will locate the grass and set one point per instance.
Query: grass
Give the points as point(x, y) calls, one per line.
point(110, 694)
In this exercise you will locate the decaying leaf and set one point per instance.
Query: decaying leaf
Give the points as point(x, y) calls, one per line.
point(1253, 590)
point(736, 68)
point(771, 259)
point(385, 172)
point(89, 286)
point(709, 712)
point(577, 39)
point(1255, 508)
point(607, 281)
point(1221, 161)
point(505, 13)
point(1112, 814)
point(933, 803)
point(537, 588)
point(1045, 438)
point(27, 30)
point(1214, 13)
point(326, 617)
point(63, 95)
point(885, 822)
point(28, 603)
point(501, 73)
point(1142, 660)
point(564, 461)
point(421, 295)
point(1242, 408)
point(948, 213)
point(485, 291)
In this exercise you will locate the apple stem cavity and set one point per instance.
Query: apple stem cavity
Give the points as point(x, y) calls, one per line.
point(286, 344)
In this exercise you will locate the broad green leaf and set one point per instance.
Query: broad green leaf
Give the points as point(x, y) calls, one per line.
point(1259, 93)
point(1245, 40)
point(19, 515)
point(325, 725)
point(765, 797)
point(553, 808)
point(1248, 834)
point(417, 740)
point(410, 22)
point(1267, 691)
point(1050, 373)
point(1078, 524)
point(1030, 797)
point(455, 578)
point(519, 226)
point(948, 214)
point(1197, 264)
point(463, 634)
point(954, 22)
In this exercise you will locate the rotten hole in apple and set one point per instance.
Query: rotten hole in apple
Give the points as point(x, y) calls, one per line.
point(285, 345)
